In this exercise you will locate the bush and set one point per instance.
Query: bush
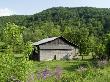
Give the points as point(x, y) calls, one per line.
point(12, 68)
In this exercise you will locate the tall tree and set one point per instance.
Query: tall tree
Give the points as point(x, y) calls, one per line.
point(12, 36)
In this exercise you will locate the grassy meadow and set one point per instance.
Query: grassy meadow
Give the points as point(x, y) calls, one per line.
point(71, 71)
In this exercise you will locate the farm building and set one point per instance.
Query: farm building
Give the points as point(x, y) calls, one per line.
point(54, 48)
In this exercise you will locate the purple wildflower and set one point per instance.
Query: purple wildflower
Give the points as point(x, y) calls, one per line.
point(48, 73)
point(45, 73)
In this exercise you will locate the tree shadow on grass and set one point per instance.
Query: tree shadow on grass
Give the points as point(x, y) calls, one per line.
point(71, 68)
point(74, 67)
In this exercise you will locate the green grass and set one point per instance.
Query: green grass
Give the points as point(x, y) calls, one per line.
point(71, 73)
point(67, 66)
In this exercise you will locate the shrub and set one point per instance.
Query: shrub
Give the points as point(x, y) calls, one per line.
point(12, 68)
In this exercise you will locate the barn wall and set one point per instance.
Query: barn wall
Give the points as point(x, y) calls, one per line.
point(56, 44)
point(58, 47)
point(46, 55)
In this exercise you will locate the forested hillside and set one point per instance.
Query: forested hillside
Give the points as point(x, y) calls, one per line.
point(84, 26)
point(96, 20)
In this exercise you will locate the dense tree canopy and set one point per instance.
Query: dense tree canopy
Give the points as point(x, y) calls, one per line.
point(86, 27)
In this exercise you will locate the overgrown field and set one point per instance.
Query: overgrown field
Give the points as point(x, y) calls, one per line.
point(70, 71)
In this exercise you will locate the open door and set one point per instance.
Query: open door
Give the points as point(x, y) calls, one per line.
point(35, 55)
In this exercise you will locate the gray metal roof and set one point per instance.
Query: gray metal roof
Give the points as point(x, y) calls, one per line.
point(44, 40)
point(51, 39)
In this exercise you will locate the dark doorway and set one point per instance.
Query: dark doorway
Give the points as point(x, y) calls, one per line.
point(34, 56)
point(54, 57)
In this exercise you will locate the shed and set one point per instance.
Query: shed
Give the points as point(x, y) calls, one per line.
point(54, 48)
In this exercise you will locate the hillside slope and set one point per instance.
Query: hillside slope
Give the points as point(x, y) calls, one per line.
point(96, 20)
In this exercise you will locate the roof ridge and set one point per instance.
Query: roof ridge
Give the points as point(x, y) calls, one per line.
point(44, 40)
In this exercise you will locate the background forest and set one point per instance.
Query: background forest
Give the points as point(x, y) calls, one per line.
point(86, 27)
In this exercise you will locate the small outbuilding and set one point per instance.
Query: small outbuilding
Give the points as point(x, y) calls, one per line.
point(54, 48)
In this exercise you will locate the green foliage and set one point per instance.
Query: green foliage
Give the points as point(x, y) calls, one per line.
point(27, 49)
point(12, 36)
point(96, 20)
point(12, 66)
point(81, 38)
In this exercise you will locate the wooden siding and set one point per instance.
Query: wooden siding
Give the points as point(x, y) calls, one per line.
point(56, 44)
point(50, 54)
point(46, 55)
point(56, 49)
